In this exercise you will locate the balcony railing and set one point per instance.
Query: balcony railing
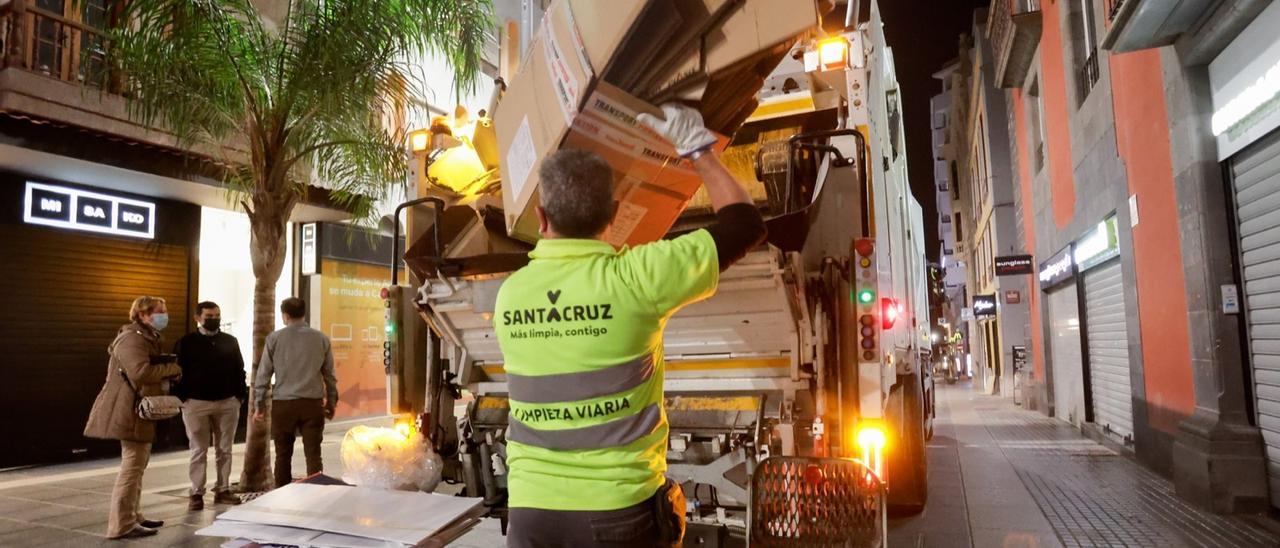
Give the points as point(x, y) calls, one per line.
point(52, 45)
point(1087, 76)
point(1013, 27)
point(1113, 8)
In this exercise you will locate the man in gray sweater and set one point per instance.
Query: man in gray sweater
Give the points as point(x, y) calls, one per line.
point(305, 392)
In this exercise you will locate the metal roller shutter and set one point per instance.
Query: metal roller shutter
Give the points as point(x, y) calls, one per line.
point(1108, 350)
point(1256, 180)
point(66, 296)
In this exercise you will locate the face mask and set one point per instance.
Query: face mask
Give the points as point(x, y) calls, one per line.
point(160, 321)
point(211, 324)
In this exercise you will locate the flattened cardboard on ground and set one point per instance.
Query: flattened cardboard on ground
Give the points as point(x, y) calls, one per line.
point(395, 516)
point(258, 534)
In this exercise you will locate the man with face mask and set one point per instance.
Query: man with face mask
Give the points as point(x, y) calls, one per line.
point(213, 389)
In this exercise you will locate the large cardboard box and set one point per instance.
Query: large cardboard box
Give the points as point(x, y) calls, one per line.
point(558, 100)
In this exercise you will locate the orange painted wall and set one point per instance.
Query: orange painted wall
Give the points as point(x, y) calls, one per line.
point(1028, 230)
point(1057, 125)
point(1142, 137)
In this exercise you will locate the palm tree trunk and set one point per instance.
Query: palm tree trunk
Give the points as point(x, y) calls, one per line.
point(267, 252)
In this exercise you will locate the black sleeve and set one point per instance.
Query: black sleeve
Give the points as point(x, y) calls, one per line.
point(177, 389)
point(738, 229)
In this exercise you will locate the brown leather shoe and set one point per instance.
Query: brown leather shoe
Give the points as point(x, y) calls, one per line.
point(196, 503)
point(226, 497)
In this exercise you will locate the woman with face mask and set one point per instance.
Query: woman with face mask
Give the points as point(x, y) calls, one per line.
point(136, 354)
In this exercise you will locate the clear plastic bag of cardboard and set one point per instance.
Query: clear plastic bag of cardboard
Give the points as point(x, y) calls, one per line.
point(388, 459)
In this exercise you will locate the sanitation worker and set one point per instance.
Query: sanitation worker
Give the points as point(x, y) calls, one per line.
point(581, 331)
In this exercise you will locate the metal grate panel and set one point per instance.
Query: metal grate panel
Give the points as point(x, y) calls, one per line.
point(811, 502)
point(1109, 350)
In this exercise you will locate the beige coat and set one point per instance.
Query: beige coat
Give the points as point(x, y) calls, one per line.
point(114, 416)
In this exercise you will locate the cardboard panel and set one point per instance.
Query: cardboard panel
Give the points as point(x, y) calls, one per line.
point(559, 100)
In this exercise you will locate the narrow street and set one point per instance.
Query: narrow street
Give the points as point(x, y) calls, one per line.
point(998, 476)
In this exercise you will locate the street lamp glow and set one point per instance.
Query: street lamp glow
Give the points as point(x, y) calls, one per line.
point(419, 140)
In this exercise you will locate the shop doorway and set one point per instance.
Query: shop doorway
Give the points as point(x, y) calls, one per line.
point(1065, 351)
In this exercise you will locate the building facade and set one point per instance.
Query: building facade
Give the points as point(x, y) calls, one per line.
point(983, 212)
point(98, 210)
point(950, 263)
point(1142, 150)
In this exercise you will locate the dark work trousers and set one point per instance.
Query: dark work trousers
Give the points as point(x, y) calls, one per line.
point(631, 527)
point(287, 418)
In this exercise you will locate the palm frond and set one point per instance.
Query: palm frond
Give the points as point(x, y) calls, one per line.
point(311, 96)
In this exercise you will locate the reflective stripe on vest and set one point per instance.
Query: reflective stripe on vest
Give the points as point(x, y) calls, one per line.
point(583, 385)
point(610, 434)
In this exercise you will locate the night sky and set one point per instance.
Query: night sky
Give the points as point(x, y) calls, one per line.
point(924, 34)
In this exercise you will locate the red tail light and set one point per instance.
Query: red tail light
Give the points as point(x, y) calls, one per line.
point(890, 310)
point(814, 476)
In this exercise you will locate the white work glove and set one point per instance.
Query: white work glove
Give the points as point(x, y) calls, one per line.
point(682, 127)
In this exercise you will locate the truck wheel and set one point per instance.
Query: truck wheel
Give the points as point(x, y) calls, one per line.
point(908, 468)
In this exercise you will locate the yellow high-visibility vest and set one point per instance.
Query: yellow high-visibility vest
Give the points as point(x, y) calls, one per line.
point(581, 334)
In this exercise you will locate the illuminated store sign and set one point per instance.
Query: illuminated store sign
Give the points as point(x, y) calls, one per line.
point(1097, 246)
point(984, 306)
point(77, 209)
point(1249, 101)
point(1015, 265)
point(1057, 269)
point(1244, 85)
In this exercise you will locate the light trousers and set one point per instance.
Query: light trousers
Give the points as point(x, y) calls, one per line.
point(128, 490)
point(210, 423)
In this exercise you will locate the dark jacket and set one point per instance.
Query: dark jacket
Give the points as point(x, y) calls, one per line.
point(212, 367)
point(114, 416)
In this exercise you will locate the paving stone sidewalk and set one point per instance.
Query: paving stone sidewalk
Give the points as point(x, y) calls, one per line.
point(1005, 477)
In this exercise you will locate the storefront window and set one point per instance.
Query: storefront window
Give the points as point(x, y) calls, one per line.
point(226, 274)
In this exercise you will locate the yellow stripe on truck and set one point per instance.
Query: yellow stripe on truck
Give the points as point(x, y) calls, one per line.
point(800, 104)
point(760, 363)
point(689, 365)
point(710, 403)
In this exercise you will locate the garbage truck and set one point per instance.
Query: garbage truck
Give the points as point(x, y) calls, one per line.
point(809, 365)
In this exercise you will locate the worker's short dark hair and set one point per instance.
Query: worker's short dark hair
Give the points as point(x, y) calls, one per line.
point(576, 191)
point(205, 305)
point(294, 307)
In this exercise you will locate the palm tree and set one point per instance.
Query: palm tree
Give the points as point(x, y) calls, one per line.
point(303, 98)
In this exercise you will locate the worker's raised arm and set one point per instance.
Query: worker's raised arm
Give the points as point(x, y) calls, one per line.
point(683, 127)
point(739, 226)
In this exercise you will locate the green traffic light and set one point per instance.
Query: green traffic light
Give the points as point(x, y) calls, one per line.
point(390, 328)
point(866, 296)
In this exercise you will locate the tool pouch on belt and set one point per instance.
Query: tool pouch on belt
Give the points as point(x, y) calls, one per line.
point(668, 512)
